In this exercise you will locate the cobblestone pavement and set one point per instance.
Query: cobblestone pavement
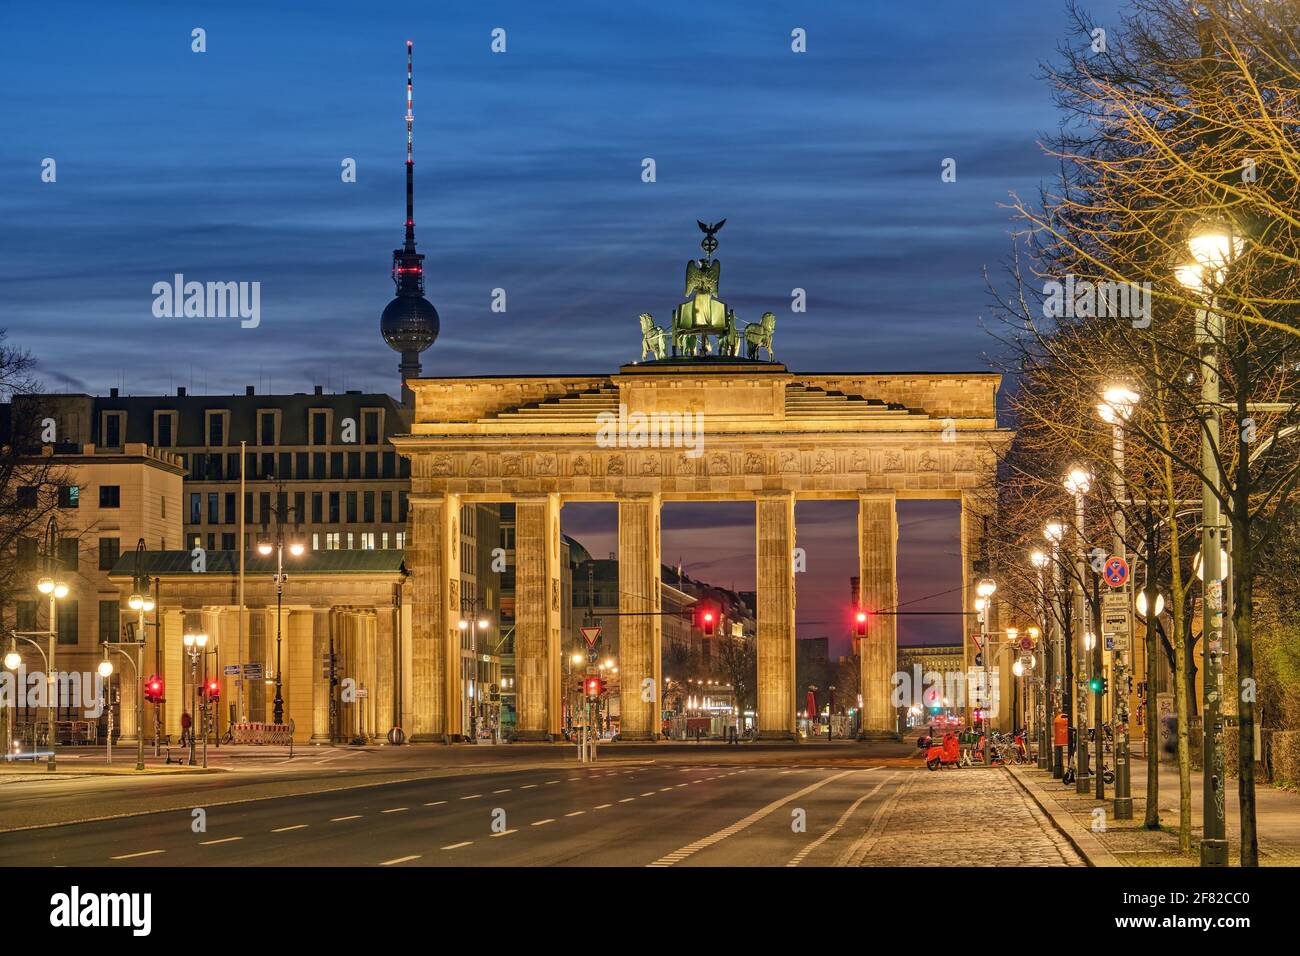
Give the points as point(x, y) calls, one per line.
point(969, 817)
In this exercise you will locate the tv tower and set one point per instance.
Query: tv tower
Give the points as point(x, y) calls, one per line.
point(410, 323)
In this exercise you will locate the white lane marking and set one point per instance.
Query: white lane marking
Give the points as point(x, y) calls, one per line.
point(627, 799)
point(400, 859)
point(839, 824)
point(296, 826)
point(549, 782)
point(542, 823)
point(662, 789)
point(472, 796)
point(575, 778)
point(436, 803)
point(355, 816)
point(648, 793)
point(528, 786)
point(222, 840)
point(505, 833)
point(457, 846)
point(576, 813)
point(395, 810)
point(132, 856)
point(602, 806)
point(506, 790)
point(692, 848)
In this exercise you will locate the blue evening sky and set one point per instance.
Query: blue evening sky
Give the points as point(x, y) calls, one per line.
point(225, 165)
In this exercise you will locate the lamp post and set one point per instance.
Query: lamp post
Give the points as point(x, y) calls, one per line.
point(1214, 244)
point(1061, 658)
point(473, 626)
point(985, 589)
point(142, 603)
point(52, 584)
point(1077, 482)
point(13, 660)
point(1116, 408)
point(1039, 560)
point(194, 644)
point(105, 671)
point(265, 545)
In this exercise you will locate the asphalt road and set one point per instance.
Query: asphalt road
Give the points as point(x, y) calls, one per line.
point(761, 813)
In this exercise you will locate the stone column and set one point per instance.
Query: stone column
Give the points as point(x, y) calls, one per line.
point(537, 616)
point(774, 524)
point(878, 590)
point(434, 559)
point(640, 636)
point(320, 684)
point(972, 534)
point(301, 670)
point(176, 671)
point(385, 663)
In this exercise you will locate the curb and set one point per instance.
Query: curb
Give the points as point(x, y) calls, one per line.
point(1081, 838)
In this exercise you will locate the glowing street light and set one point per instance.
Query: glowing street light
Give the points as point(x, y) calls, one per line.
point(1142, 603)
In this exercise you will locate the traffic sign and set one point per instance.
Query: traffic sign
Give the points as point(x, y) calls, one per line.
point(232, 669)
point(253, 671)
point(1026, 643)
point(1115, 571)
point(591, 635)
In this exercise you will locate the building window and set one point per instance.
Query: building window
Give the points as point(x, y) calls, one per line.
point(401, 540)
point(368, 540)
point(317, 507)
point(25, 616)
point(286, 465)
point(164, 429)
point(28, 496)
point(336, 464)
point(230, 507)
point(315, 541)
point(370, 427)
point(109, 550)
point(268, 465)
point(196, 540)
point(196, 507)
point(266, 428)
point(352, 507)
point(227, 541)
point(214, 508)
point(383, 540)
point(401, 507)
point(386, 506)
point(264, 506)
point(113, 428)
point(334, 507)
point(350, 539)
point(372, 464)
point(354, 464)
point(68, 553)
point(332, 541)
point(299, 507)
point(318, 464)
point(248, 508)
point(368, 507)
point(300, 464)
point(320, 428)
point(110, 621)
point(216, 429)
point(27, 552)
point(390, 464)
point(68, 616)
point(110, 496)
point(69, 496)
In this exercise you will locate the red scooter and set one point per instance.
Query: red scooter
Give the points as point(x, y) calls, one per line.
point(945, 754)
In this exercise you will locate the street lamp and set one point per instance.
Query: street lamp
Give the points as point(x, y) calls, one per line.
point(1142, 604)
point(1214, 244)
point(194, 644)
point(1116, 408)
point(1058, 666)
point(142, 603)
point(52, 584)
point(277, 542)
point(1078, 482)
point(473, 626)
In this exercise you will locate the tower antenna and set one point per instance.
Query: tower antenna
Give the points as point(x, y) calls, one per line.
point(410, 156)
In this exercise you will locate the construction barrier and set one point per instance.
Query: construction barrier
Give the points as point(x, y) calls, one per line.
point(250, 733)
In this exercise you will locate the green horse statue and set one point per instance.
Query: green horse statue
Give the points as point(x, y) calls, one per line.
point(654, 340)
point(759, 335)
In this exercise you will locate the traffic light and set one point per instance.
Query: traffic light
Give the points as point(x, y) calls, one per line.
point(708, 620)
point(860, 623)
point(593, 686)
point(212, 689)
point(153, 689)
point(1098, 684)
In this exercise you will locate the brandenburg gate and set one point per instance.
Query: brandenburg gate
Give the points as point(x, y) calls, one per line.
point(701, 424)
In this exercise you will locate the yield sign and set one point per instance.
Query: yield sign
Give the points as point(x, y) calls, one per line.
point(590, 634)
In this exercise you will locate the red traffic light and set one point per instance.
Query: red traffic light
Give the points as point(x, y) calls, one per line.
point(153, 689)
point(593, 686)
point(860, 623)
point(212, 690)
point(708, 620)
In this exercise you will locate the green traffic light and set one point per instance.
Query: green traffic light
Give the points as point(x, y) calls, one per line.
point(1095, 685)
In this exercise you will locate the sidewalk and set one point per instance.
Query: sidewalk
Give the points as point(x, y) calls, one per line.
point(1105, 841)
